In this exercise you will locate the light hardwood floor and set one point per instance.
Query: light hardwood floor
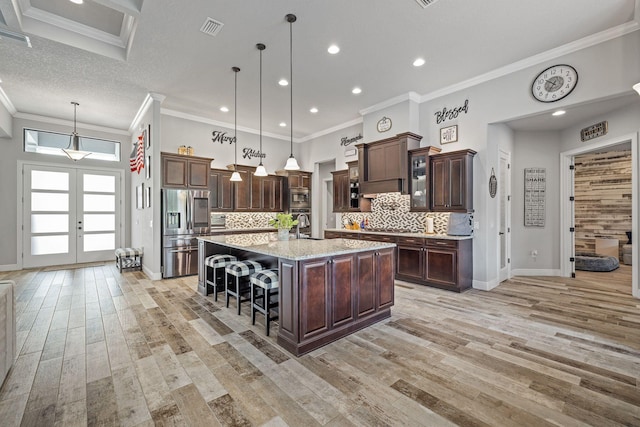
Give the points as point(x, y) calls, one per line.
point(100, 348)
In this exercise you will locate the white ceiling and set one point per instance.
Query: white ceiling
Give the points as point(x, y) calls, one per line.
point(125, 49)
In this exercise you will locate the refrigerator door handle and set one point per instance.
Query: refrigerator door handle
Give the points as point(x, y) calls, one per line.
point(189, 226)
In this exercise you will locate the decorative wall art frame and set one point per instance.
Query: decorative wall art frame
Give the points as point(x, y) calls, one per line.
point(535, 185)
point(140, 196)
point(449, 134)
point(147, 197)
point(384, 124)
point(148, 141)
point(147, 167)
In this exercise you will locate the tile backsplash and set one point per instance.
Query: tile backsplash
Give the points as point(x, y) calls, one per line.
point(393, 210)
point(247, 219)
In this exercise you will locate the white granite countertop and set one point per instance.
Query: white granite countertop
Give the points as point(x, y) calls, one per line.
point(294, 249)
point(402, 234)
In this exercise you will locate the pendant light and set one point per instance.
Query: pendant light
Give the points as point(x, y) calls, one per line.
point(73, 149)
point(260, 170)
point(292, 164)
point(636, 87)
point(235, 176)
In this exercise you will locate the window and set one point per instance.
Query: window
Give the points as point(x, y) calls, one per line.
point(38, 141)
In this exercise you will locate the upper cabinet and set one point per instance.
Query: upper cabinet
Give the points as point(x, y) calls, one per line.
point(452, 181)
point(185, 171)
point(420, 178)
point(341, 192)
point(298, 179)
point(383, 164)
point(220, 194)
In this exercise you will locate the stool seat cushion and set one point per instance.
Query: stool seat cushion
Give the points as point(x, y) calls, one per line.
point(243, 268)
point(128, 252)
point(219, 261)
point(266, 279)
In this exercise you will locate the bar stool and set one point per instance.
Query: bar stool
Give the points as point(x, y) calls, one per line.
point(216, 264)
point(268, 281)
point(241, 270)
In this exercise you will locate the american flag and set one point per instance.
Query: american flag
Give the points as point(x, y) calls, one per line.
point(136, 159)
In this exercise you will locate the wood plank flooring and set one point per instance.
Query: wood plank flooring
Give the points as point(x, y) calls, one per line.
point(101, 348)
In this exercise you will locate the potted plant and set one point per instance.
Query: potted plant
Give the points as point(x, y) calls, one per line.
point(283, 222)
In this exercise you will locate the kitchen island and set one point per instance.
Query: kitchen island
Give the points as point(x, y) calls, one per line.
point(328, 288)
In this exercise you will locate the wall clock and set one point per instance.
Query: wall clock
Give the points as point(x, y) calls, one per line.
point(554, 83)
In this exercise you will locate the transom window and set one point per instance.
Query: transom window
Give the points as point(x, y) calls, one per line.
point(44, 142)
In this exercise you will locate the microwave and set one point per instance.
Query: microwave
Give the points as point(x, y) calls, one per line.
point(299, 198)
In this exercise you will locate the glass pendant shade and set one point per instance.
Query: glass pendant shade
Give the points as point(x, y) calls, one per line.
point(261, 171)
point(73, 151)
point(636, 87)
point(292, 164)
point(235, 176)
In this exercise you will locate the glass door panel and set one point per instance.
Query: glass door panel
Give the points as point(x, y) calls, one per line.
point(419, 182)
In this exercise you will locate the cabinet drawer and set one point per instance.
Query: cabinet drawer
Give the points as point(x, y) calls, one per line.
point(411, 241)
point(378, 238)
point(441, 243)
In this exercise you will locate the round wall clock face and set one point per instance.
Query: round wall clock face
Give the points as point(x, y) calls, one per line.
point(554, 83)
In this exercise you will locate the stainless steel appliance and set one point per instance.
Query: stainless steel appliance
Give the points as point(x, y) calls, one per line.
point(299, 198)
point(218, 220)
point(185, 216)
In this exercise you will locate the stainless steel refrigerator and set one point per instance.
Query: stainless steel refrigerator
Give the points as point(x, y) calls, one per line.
point(185, 216)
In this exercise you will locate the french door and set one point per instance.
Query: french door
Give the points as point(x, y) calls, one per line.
point(69, 215)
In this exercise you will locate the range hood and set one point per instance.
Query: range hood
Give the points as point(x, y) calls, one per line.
point(372, 188)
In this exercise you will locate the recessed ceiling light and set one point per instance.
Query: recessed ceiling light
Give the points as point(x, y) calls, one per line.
point(283, 125)
point(558, 113)
point(419, 62)
point(313, 110)
point(333, 49)
point(77, 1)
point(283, 82)
point(224, 109)
point(356, 90)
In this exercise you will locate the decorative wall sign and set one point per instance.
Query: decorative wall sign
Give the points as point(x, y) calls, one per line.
point(344, 141)
point(350, 152)
point(449, 134)
point(221, 137)
point(594, 131)
point(248, 153)
point(493, 184)
point(535, 183)
point(450, 114)
point(384, 124)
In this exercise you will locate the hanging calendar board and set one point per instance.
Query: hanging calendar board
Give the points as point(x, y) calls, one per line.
point(535, 183)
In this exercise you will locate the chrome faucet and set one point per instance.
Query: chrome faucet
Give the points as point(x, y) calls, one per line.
point(303, 221)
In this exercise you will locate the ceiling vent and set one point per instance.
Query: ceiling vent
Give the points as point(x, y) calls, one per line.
point(425, 3)
point(211, 27)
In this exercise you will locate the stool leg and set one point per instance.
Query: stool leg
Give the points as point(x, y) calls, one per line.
point(253, 302)
point(120, 264)
point(226, 288)
point(215, 284)
point(238, 293)
point(267, 310)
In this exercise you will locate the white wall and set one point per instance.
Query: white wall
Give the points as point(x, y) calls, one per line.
point(12, 152)
point(6, 122)
point(404, 118)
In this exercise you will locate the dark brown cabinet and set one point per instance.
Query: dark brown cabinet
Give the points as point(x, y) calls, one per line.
point(185, 171)
point(272, 194)
point(220, 190)
point(443, 263)
point(341, 192)
point(383, 164)
point(420, 178)
point(452, 181)
point(299, 179)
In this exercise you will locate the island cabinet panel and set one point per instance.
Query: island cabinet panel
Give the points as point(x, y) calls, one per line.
point(315, 297)
point(342, 290)
point(366, 302)
point(288, 309)
point(384, 277)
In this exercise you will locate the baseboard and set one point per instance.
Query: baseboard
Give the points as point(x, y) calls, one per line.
point(485, 286)
point(536, 272)
point(150, 274)
point(10, 267)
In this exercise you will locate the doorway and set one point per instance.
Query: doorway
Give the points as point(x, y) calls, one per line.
point(69, 215)
point(567, 206)
point(504, 232)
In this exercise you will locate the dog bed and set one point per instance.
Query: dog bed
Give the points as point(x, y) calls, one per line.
point(593, 262)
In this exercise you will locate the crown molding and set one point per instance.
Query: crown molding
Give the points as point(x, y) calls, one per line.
point(531, 61)
point(332, 129)
point(62, 122)
point(409, 96)
point(4, 99)
point(146, 104)
point(199, 119)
